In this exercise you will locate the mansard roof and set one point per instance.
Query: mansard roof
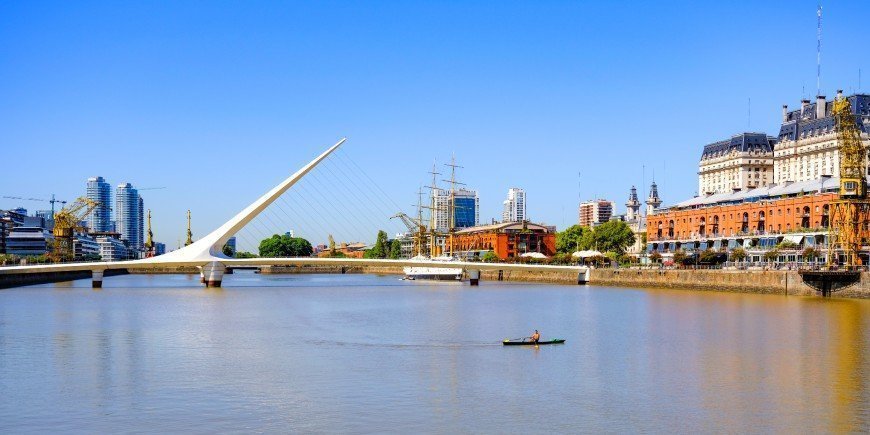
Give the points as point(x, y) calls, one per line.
point(808, 124)
point(742, 142)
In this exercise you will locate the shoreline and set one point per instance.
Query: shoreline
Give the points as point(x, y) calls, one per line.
point(773, 282)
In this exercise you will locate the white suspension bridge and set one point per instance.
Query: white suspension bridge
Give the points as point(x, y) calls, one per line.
point(207, 252)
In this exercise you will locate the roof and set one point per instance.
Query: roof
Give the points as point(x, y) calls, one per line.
point(743, 142)
point(504, 226)
point(824, 184)
point(797, 124)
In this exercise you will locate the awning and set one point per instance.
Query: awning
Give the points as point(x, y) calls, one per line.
point(732, 244)
point(717, 244)
point(747, 243)
point(703, 245)
point(811, 241)
point(793, 238)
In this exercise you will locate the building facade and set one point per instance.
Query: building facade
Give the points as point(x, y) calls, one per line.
point(756, 220)
point(507, 240)
point(100, 191)
point(465, 208)
point(745, 161)
point(112, 249)
point(807, 147)
point(29, 241)
point(595, 212)
point(129, 216)
point(514, 207)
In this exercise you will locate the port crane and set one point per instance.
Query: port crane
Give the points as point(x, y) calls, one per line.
point(66, 223)
point(850, 212)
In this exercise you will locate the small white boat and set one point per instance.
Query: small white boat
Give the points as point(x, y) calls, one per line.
point(433, 273)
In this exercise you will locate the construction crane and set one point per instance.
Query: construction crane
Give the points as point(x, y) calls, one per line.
point(53, 201)
point(66, 223)
point(416, 228)
point(850, 211)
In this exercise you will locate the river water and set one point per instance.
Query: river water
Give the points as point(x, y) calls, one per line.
point(363, 353)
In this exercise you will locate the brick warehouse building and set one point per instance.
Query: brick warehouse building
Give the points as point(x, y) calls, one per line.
point(758, 218)
point(507, 240)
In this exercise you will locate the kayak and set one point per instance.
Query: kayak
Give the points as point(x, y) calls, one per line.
point(531, 343)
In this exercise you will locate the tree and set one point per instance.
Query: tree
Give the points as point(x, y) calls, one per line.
point(738, 254)
point(680, 256)
point(380, 250)
point(228, 251)
point(711, 256)
point(568, 241)
point(810, 254)
point(771, 255)
point(611, 236)
point(244, 254)
point(396, 249)
point(655, 257)
point(787, 244)
point(285, 246)
point(489, 257)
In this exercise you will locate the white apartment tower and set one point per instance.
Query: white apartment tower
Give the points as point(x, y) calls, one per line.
point(129, 216)
point(514, 206)
point(100, 191)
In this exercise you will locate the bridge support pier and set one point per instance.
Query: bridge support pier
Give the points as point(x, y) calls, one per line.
point(96, 279)
point(213, 274)
point(474, 277)
point(583, 277)
point(201, 275)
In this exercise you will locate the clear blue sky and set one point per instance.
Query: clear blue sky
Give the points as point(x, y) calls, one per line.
point(220, 100)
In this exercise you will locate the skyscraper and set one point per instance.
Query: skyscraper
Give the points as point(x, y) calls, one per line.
point(99, 190)
point(514, 206)
point(466, 209)
point(129, 216)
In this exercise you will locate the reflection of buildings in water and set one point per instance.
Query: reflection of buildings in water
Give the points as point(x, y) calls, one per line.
point(845, 363)
point(762, 363)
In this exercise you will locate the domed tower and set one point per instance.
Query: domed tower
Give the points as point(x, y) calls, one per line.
point(653, 201)
point(632, 207)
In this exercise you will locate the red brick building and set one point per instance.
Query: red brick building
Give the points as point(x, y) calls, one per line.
point(509, 239)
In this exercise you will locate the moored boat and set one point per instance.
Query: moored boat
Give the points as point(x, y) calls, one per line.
point(433, 273)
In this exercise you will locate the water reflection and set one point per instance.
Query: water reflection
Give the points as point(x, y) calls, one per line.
point(363, 353)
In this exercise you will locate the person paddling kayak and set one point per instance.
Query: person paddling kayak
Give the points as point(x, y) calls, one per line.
point(535, 337)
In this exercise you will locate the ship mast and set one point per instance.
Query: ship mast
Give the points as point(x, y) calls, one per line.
point(432, 231)
point(421, 230)
point(451, 203)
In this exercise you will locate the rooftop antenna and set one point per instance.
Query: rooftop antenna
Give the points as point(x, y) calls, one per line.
point(819, 52)
point(749, 115)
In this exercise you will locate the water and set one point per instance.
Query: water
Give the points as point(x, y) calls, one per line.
point(361, 353)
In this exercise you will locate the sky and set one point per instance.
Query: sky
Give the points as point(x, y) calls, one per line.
point(219, 101)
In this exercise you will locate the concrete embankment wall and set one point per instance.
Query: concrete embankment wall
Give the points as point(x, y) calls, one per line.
point(23, 279)
point(743, 281)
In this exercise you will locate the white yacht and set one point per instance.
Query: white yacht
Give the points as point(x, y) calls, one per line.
point(434, 273)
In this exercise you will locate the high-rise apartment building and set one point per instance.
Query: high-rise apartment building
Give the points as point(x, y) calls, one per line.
point(100, 191)
point(808, 147)
point(129, 216)
point(465, 207)
point(514, 209)
point(595, 212)
point(745, 161)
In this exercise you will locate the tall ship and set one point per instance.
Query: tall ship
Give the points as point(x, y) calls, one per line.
point(427, 236)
